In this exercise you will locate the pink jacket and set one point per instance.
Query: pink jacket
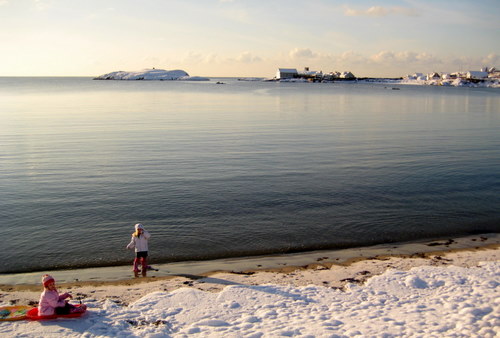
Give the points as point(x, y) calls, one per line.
point(49, 300)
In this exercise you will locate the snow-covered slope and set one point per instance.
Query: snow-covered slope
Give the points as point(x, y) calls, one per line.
point(425, 301)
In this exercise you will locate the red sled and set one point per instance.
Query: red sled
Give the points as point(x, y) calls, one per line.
point(33, 314)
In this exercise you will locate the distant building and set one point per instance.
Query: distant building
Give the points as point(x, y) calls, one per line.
point(286, 73)
point(416, 76)
point(446, 76)
point(458, 75)
point(494, 74)
point(331, 76)
point(475, 75)
point(312, 75)
point(433, 76)
point(347, 75)
point(307, 73)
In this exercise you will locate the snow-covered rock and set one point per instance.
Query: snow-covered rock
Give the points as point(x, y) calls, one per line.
point(151, 74)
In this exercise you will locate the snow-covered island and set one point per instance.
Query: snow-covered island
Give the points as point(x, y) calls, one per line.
point(487, 77)
point(151, 74)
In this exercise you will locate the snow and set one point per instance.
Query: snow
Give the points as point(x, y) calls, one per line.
point(423, 81)
point(297, 79)
point(424, 301)
point(151, 74)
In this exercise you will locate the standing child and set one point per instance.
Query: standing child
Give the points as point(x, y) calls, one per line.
point(52, 303)
point(139, 242)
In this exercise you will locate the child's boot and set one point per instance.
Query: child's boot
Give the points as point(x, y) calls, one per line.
point(136, 267)
point(144, 264)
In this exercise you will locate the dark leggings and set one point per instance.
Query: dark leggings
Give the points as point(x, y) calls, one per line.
point(63, 310)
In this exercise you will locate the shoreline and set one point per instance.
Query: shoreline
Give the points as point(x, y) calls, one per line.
point(283, 263)
point(432, 294)
point(342, 276)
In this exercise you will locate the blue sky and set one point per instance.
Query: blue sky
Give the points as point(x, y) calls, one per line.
point(247, 37)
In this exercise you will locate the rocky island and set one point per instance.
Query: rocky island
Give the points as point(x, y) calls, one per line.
point(151, 74)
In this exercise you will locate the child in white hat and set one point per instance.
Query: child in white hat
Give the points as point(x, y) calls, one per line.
point(139, 242)
point(52, 303)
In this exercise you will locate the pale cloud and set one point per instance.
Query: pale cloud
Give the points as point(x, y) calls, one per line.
point(425, 57)
point(379, 11)
point(247, 57)
point(350, 57)
point(302, 53)
point(196, 58)
point(491, 60)
point(42, 5)
point(386, 57)
point(383, 63)
point(211, 58)
point(4, 3)
point(383, 56)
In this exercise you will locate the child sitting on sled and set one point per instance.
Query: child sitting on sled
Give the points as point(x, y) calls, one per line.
point(52, 303)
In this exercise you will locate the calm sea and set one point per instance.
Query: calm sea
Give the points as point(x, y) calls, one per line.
point(241, 168)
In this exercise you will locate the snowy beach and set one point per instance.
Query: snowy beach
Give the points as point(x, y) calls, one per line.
point(451, 291)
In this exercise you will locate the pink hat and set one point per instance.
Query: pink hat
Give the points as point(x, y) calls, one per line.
point(139, 226)
point(46, 279)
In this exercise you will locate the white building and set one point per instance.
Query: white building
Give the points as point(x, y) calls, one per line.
point(433, 76)
point(286, 73)
point(416, 76)
point(494, 74)
point(449, 76)
point(311, 73)
point(476, 75)
point(347, 75)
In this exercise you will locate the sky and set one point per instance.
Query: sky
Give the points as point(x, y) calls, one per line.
point(247, 38)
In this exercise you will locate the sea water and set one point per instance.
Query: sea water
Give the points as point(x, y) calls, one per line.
point(240, 168)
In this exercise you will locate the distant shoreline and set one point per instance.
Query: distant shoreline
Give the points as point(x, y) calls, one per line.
point(472, 83)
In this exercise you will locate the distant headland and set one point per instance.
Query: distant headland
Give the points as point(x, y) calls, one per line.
point(487, 77)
